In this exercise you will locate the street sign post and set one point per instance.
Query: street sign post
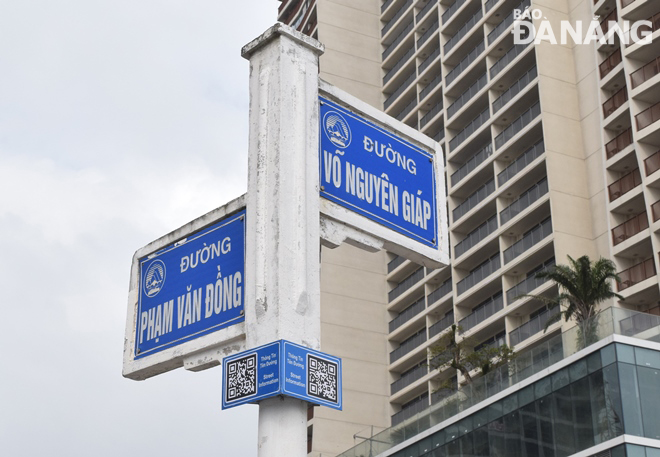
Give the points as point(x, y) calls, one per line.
point(281, 368)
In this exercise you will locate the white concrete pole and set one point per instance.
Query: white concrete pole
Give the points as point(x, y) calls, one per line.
point(282, 242)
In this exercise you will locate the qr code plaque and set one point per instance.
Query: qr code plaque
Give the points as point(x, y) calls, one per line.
point(242, 377)
point(322, 378)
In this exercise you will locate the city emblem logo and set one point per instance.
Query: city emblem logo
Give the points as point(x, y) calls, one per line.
point(154, 278)
point(336, 129)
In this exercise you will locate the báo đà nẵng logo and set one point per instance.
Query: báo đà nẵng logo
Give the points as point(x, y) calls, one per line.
point(336, 129)
point(602, 31)
point(154, 278)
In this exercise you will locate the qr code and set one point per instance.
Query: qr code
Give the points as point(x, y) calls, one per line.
point(322, 378)
point(242, 377)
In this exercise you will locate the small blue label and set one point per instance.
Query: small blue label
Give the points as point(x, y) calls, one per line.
point(377, 174)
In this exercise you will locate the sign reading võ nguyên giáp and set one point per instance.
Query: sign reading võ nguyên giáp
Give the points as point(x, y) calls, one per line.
point(191, 287)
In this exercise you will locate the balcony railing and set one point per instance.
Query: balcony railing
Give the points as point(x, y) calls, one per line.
point(521, 162)
point(506, 59)
point(508, 20)
point(425, 10)
point(605, 23)
point(472, 163)
point(648, 116)
point(431, 114)
point(469, 129)
point(396, 17)
point(395, 262)
point(490, 3)
point(385, 5)
point(528, 284)
point(625, 3)
point(474, 199)
point(399, 38)
point(652, 163)
point(636, 274)
point(449, 12)
point(475, 236)
point(655, 211)
point(529, 239)
point(645, 73)
point(465, 28)
point(440, 292)
point(624, 185)
point(464, 63)
point(440, 135)
point(407, 109)
point(400, 63)
point(516, 126)
point(618, 144)
point(631, 227)
point(435, 26)
point(413, 408)
point(524, 201)
point(442, 324)
point(609, 64)
point(400, 89)
point(482, 312)
point(479, 273)
point(515, 89)
point(432, 85)
point(429, 60)
point(406, 284)
point(646, 29)
point(534, 325)
point(408, 345)
point(407, 314)
point(409, 377)
point(615, 102)
point(467, 95)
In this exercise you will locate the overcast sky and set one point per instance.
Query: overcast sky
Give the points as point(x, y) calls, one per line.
point(120, 120)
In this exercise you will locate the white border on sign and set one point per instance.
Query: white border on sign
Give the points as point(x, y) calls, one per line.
point(199, 353)
point(339, 224)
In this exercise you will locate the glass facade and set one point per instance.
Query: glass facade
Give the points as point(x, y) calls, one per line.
point(604, 395)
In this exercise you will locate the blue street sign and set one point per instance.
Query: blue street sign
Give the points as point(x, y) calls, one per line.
point(377, 174)
point(281, 368)
point(192, 287)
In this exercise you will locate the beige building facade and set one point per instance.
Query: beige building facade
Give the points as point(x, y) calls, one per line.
point(552, 150)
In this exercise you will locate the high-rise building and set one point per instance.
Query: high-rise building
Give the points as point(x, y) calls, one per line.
point(551, 150)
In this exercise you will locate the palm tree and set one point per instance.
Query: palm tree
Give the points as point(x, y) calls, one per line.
point(583, 285)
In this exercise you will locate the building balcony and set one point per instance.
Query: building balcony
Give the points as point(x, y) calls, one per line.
point(506, 59)
point(655, 211)
point(515, 89)
point(475, 236)
point(615, 102)
point(630, 228)
point(385, 5)
point(407, 314)
point(425, 10)
point(610, 63)
point(648, 116)
point(443, 324)
point(397, 40)
point(648, 71)
point(408, 345)
point(429, 88)
point(636, 274)
point(396, 17)
point(489, 4)
point(406, 284)
point(429, 60)
point(449, 12)
point(473, 200)
point(516, 126)
point(400, 89)
point(465, 28)
point(440, 292)
point(431, 114)
point(605, 23)
point(624, 185)
point(652, 163)
point(521, 163)
point(409, 377)
point(529, 240)
point(411, 409)
point(528, 284)
point(506, 23)
point(525, 200)
point(406, 109)
point(469, 129)
point(426, 35)
point(468, 95)
point(479, 273)
point(464, 63)
point(618, 144)
point(482, 312)
point(394, 263)
point(625, 3)
point(535, 325)
point(398, 65)
point(471, 164)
